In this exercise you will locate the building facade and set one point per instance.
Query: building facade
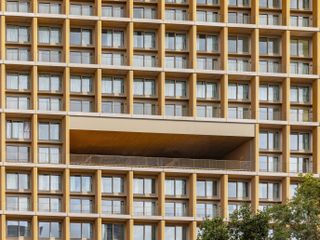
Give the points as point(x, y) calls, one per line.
point(135, 120)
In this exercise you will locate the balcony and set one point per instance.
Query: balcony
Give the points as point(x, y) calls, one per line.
point(159, 162)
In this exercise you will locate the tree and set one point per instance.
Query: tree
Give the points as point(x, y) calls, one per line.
point(300, 217)
point(247, 225)
point(213, 229)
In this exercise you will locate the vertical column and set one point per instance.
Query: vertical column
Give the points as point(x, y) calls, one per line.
point(66, 39)
point(3, 137)
point(66, 86)
point(34, 188)
point(130, 9)
point(255, 50)
point(193, 230)
point(98, 204)
point(161, 45)
point(255, 97)
point(316, 99)
point(3, 226)
point(224, 96)
point(2, 35)
point(2, 86)
point(34, 40)
point(286, 148)
point(161, 230)
point(66, 190)
point(224, 10)
point(34, 137)
point(193, 95)
point(285, 189)
point(66, 227)
point(193, 205)
point(161, 93)
point(286, 99)
point(255, 150)
point(130, 193)
point(286, 12)
point(316, 13)
point(162, 196)
point(193, 47)
point(3, 188)
point(98, 6)
point(66, 143)
point(316, 52)
point(98, 41)
point(98, 79)
point(130, 44)
point(130, 91)
point(34, 7)
point(255, 12)
point(316, 149)
point(34, 85)
point(224, 48)
point(129, 228)
point(35, 231)
point(255, 193)
point(224, 196)
point(286, 51)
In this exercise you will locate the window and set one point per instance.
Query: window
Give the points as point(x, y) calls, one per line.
point(269, 191)
point(49, 103)
point(293, 189)
point(176, 209)
point(113, 206)
point(238, 64)
point(207, 188)
point(269, 46)
point(18, 130)
point(18, 203)
point(299, 47)
point(113, 231)
point(112, 10)
point(239, 112)
point(270, 3)
point(18, 34)
point(80, 36)
point(143, 60)
point(18, 102)
point(176, 14)
point(81, 205)
point(144, 232)
point(175, 233)
point(300, 141)
point(112, 184)
point(48, 230)
point(49, 35)
point(17, 81)
point(49, 204)
point(238, 189)
point(46, 55)
point(208, 111)
point(176, 88)
point(269, 163)
point(208, 63)
point(80, 184)
point(144, 40)
point(269, 19)
point(207, 2)
point(113, 58)
point(144, 208)
point(207, 43)
point(112, 107)
point(176, 61)
point(17, 153)
point(17, 181)
point(144, 87)
point(207, 210)
point(270, 93)
point(176, 187)
point(238, 91)
point(176, 109)
point(49, 131)
point(300, 4)
point(18, 228)
point(301, 114)
point(300, 164)
point(113, 38)
point(239, 3)
point(49, 155)
point(238, 44)
point(49, 7)
point(269, 113)
point(81, 9)
point(144, 108)
point(300, 94)
point(239, 17)
point(49, 183)
point(112, 85)
point(298, 67)
point(144, 186)
point(83, 57)
point(232, 207)
point(207, 16)
point(176, 41)
point(49, 83)
point(18, 6)
point(81, 84)
point(269, 140)
point(81, 230)
point(144, 12)
point(18, 54)
point(300, 21)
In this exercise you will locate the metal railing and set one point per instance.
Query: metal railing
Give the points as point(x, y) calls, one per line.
point(159, 162)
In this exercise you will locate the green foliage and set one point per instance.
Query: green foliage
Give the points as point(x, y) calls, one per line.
point(214, 229)
point(297, 219)
point(246, 225)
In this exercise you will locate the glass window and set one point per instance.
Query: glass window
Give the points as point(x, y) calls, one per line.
point(49, 230)
point(49, 204)
point(17, 181)
point(48, 154)
point(113, 206)
point(269, 140)
point(17, 81)
point(269, 163)
point(80, 36)
point(144, 186)
point(81, 84)
point(300, 94)
point(49, 131)
point(81, 205)
point(176, 187)
point(113, 231)
point(80, 184)
point(112, 184)
point(238, 44)
point(112, 85)
point(49, 183)
point(207, 188)
point(175, 233)
point(144, 232)
point(81, 230)
point(17, 153)
point(18, 228)
point(176, 88)
point(17, 203)
point(238, 91)
point(269, 191)
point(237, 189)
point(300, 141)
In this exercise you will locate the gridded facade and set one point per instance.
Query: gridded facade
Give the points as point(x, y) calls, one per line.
point(79, 76)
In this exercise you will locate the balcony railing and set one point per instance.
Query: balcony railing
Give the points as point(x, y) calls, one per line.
point(159, 162)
